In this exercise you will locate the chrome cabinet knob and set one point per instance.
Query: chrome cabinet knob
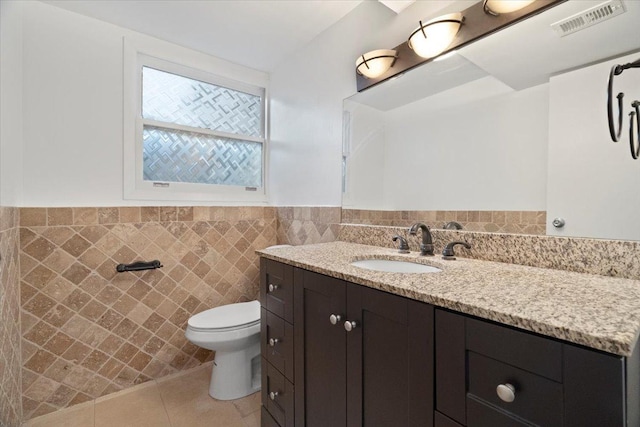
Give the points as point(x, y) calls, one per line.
point(273, 287)
point(350, 325)
point(273, 342)
point(273, 395)
point(506, 392)
point(335, 318)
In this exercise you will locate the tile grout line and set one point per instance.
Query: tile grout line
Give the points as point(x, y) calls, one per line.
point(164, 404)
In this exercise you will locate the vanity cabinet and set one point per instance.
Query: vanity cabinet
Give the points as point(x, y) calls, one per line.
point(489, 375)
point(338, 354)
point(277, 340)
point(363, 357)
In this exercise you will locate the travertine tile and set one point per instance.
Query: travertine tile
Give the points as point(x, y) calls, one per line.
point(85, 216)
point(31, 217)
point(77, 416)
point(59, 216)
point(141, 407)
point(124, 328)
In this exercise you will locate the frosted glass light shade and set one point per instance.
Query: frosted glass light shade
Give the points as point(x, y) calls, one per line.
point(375, 63)
point(433, 37)
point(496, 7)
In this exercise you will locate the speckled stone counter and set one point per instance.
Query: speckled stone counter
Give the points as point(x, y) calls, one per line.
point(595, 311)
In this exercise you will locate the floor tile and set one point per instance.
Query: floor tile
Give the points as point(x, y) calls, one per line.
point(253, 419)
point(142, 407)
point(188, 403)
point(248, 405)
point(76, 416)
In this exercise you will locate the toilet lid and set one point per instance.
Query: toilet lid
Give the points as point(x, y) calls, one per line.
point(227, 316)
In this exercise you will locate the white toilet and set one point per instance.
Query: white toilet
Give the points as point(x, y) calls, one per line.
point(233, 332)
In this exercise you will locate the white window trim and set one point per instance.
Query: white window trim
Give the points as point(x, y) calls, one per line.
point(196, 66)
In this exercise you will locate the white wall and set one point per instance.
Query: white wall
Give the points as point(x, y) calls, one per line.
point(306, 100)
point(365, 150)
point(73, 107)
point(10, 102)
point(593, 182)
point(487, 154)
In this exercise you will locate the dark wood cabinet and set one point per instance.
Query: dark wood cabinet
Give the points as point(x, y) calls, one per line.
point(338, 354)
point(548, 382)
point(377, 374)
point(277, 343)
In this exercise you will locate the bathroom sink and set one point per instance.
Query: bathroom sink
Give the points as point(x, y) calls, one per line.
point(390, 266)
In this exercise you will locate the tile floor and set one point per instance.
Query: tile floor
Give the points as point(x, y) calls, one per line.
point(180, 400)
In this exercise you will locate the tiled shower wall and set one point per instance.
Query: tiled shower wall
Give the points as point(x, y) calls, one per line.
point(519, 222)
point(88, 330)
point(10, 390)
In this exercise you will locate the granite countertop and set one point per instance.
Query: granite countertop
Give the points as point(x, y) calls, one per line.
point(595, 311)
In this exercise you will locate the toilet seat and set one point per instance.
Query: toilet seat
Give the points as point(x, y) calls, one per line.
point(227, 318)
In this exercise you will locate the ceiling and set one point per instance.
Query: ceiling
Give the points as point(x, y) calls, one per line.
point(255, 33)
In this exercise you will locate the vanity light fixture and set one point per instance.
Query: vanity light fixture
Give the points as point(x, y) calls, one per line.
point(434, 37)
point(497, 7)
point(375, 63)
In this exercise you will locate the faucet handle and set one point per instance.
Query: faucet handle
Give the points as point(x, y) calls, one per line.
point(404, 246)
point(449, 254)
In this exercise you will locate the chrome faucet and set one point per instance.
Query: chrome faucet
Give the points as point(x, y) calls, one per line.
point(426, 247)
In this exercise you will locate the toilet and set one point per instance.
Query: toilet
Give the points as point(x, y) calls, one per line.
point(233, 332)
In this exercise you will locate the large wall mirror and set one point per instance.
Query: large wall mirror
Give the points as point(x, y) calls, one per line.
point(512, 125)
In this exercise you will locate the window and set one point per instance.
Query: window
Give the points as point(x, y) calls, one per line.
point(198, 136)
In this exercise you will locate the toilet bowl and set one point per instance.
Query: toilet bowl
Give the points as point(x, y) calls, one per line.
point(233, 332)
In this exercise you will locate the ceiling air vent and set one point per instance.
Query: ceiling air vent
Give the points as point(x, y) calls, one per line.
point(589, 17)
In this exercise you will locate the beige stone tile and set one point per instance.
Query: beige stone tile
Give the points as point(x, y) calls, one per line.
point(187, 401)
point(77, 416)
point(130, 214)
point(248, 405)
point(59, 216)
point(31, 217)
point(252, 420)
point(85, 216)
point(140, 406)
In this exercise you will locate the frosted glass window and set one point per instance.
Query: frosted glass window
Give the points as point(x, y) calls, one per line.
point(176, 99)
point(177, 156)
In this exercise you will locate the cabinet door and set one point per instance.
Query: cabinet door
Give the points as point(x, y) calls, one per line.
point(389, 360)
point(320, 351)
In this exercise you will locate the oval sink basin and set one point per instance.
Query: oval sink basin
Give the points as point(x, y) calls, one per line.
point(390, 266)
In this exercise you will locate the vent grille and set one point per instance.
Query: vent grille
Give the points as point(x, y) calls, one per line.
point(589, 17)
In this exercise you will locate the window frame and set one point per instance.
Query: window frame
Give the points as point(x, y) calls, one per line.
point(135, 187)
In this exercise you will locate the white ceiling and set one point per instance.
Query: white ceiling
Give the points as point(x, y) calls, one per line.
point(255, 33)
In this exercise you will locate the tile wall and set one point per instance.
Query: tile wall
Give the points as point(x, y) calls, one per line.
point(307, 225)
point(89, 331)
point(10, 373)
point(520, 222)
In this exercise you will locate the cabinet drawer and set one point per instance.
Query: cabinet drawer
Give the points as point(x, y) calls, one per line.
point(277, 395)
point(276, 288)
point(537, 399)
point(277, 342)
point(524, 350)
point(481, 415)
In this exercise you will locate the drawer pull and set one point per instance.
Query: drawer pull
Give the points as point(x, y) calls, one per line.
point(273, 342)
point(350, 325)
point(273, 287)
point(335, 318)
point(506, 392)
point(273, 395)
